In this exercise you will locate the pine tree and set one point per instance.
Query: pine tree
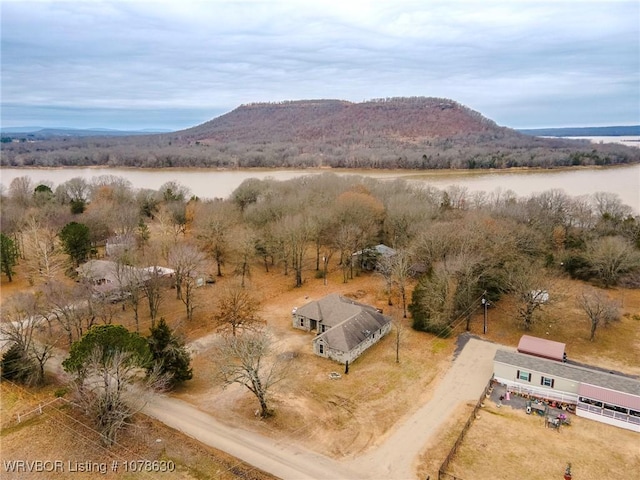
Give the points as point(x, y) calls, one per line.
point(8, 255)
point(169, 354)
point(16, 365)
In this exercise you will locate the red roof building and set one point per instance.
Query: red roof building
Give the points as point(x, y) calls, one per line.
point(541, 347)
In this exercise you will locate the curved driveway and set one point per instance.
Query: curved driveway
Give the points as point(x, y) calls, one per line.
point(395, 459)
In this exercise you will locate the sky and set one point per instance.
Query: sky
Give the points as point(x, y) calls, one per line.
point(176, 64)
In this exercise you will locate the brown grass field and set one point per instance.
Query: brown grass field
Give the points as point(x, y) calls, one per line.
point(504, 443)
point(60, 433)
point(345, 417)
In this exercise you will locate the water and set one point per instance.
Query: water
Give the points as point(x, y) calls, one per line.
point(210, 183)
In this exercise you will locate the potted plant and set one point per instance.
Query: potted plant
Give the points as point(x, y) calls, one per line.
point(567, 472)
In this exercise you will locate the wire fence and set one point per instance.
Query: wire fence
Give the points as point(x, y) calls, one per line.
point(442, 472)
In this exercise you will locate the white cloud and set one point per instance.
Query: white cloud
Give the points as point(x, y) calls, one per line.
point(498, 57)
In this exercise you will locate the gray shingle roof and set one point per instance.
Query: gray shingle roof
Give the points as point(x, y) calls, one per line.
point(331, 310)
point(570, 372)
point(349, 322)
point(353, 331)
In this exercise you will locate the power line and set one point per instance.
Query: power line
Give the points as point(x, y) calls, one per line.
point(76, 432)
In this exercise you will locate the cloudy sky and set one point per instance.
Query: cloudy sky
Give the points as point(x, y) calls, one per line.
point(175, 64)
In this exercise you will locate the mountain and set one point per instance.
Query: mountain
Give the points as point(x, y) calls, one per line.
point(409, 119)
point(612, 131)
point(417, 133)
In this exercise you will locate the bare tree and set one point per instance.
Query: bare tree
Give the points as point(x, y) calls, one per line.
point(245, 247)
point(599, 308)
point(214, 221)
point(131, 283)
point(237, 307)
point(398, 325)
point(531, 290)
point(188, 263)
point(346, 241)
point(112, 389)
point(21, 191)
point(69, 307)
point(249, 360)
point(611, 257)
point(297, 232)
point(42, 251)
point(26, 326)
point(153, 290)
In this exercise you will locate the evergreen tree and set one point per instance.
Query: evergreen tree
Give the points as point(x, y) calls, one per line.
point(8, 256)
point(16, 365)
point(76, 241)
point(109, 340)
point(169, 354)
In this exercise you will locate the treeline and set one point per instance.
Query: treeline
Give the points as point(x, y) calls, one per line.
point(451, 233)
point(412, 133)
point(471, 152)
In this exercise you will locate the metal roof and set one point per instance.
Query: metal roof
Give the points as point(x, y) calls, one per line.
point(606, 395)
point(380, 249)
point(582, 375)
point(541, 347)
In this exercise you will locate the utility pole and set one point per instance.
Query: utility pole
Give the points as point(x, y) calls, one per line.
point(485, 304)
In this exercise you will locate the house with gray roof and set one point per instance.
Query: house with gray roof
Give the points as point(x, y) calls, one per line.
point(368, 258)
point(599, 395)
point(345, 328)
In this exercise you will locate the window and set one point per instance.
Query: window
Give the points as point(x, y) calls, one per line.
point(302, 322)
point(546, 382)
point(616, 408)
point(321, 348)
point(590, 402)
point(526, 376)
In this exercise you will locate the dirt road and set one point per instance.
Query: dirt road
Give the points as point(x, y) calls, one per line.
point(395, 459)
point(286, 461)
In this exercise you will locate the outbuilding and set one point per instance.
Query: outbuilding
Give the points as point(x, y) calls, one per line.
point(541, 347)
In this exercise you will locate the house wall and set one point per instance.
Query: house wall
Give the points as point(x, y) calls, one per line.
point(343, 357)
point(563, 389)
point(610, 418)
point(301, 322)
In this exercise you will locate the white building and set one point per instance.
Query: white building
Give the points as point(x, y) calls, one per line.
point(606, 397)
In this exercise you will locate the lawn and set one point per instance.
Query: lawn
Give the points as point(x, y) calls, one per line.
point(505, 443)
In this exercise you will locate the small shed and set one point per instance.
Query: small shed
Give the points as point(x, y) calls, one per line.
point(541, 347)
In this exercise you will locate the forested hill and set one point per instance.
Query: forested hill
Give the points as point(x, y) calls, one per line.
point(418, 132)
point(338, 122)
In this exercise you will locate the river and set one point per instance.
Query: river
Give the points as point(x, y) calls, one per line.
point(211, 183)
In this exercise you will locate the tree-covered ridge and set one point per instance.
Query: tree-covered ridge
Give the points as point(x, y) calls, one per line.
point(414, 133)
